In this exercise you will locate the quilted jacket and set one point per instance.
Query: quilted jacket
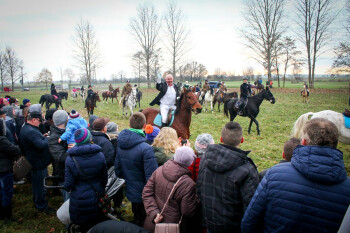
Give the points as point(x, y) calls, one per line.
point(310, 194)
point(108, 149)
point(72, 126)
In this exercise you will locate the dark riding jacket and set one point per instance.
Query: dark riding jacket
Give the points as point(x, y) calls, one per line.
point(90, 93)
point(163, 87)
point(245, 90)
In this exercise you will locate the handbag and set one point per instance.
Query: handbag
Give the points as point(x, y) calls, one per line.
point(168, 227)
point(21, 168)
point(104, 201)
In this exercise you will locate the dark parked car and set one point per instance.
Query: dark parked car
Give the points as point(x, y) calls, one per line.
point(26, 89)
point(214, 84)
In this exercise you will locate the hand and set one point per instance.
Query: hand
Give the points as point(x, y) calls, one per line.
point(158, 219)
point(59, 140)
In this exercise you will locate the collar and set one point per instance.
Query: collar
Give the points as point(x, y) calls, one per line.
point(138, 131)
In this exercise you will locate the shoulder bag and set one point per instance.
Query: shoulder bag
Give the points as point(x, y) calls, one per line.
point(21, 168)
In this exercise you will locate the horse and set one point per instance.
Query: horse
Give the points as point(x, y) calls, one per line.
point(82, 94)
point(304, 95)
point(106, 95)
point(114, 94)
point(187, 103)
point(49, 100)
point(207, 99)
point(130, 101)
point(139, 97)
point(221, 97)
point(252, 108)
point(259, 86)
point(335, 117)
point(74, 95)
point(63, 95)
point(90, 103)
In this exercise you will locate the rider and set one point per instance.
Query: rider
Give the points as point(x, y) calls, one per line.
point(307, 89)
point(245, 90)
point(110, 88)
point(90, 94)
point(53, 90)
point(186, 85)
point(126, 91)
point(167, 96)
point(206, 87)
point(223, 87)
point(136, 88)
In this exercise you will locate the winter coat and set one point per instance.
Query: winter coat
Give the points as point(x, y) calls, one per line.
point(226, 182)
point(161, 157)
point(19, 123)
point(72, 126)
point(58, 151)
point(194, 168)
point(83, 206)
point(8, 153)
point(163, 87)
point(11, 125)
point(135, 162)
point(108, 149)
point(245, 90)
point(36, 147)
point(263, 173)
point(155, 194)
point(310, 194)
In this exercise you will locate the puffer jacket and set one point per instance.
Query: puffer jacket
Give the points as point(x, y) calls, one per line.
point(83, 205)
point(155, 194)
point(108, 149)
point(58, 151)
point(8, 153)
point(161, 157)
point(227, 180)
point(310, 194)
point(72, 126)
point(135, 162)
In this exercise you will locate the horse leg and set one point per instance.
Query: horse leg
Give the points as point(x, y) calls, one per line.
point(131, 112)
point(250, 125)
point(211, 106)
point(257, 124)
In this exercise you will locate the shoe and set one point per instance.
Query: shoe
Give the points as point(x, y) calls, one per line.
point(48, 210)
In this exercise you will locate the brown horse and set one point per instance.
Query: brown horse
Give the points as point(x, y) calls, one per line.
point(114, 94)
point(221, 97)
point(106, 95)
point(304, 95)
point(188, 102)
point(91, 103)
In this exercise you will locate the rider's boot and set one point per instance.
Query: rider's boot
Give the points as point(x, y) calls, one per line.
point(164, 124)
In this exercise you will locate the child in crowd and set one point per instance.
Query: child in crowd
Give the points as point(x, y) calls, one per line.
point(151, 132)
point(75, 122)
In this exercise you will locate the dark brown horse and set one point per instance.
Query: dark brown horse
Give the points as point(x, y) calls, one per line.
point(220, 97)
point(188, 102)
point(106, 95)
point(114, 94)
point(91, 102)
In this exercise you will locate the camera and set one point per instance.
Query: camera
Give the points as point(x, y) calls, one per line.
point(183, 141)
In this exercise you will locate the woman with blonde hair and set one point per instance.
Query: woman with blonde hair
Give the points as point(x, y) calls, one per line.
point(165, 144)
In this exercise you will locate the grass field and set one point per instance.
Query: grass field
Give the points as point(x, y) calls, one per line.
point(276, 122)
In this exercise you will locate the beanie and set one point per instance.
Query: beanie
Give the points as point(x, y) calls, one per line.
point(92, 118)
point(202, 142)
point(82, 136)
point(2, 127)
point(151, 132)
point(60, 117)
point(184, 155)
point(74, 114)
point(9, 110)
point(25, 101)
point(112, 127)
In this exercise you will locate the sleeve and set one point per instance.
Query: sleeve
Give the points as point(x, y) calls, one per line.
point(68, 177)
point(117, 167)
point(253, 219)
point(68, 132)
point(148, 197)
point(58, 151)
point(189, 201)
point(11, 150)
point(149, 161)
point(39, 141)
point(104, 176)
point(250, 89)
point(159, 86)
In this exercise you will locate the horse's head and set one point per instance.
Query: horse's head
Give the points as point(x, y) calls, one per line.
point(269, 96)
point(97, 96)
point(192, 101)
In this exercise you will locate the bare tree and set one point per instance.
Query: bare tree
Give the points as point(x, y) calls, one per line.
point(45, 76)
point(138, 64)
point(176, 33)
point(68, 72)
point(3, 70)
point(289, 54)
point(249, 72)
point(86, 50)
point(201, 71)
point(277, 52)
point(145, 30)
point(12, 65)
point(263, 29)
point(190, 69)
point(121, 74)
point(314, 17)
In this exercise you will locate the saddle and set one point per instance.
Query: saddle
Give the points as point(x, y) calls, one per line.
point(240, 103)
point(55, 96)
point(158, 119)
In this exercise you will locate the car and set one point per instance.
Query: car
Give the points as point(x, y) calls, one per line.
point(26, 89)
point(7, 89)
point(214, 84)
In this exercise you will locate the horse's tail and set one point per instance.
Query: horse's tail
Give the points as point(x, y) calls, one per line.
point(42, 100)
point(298, 125)
point(226, 107)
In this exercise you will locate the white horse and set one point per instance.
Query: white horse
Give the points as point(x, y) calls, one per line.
point(130, 102)
point(82, 94)
point(335, 117)
point(208, 99)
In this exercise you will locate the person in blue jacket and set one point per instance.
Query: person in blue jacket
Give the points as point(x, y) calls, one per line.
point(83, 205)
point(135, 162)
point(309, 194)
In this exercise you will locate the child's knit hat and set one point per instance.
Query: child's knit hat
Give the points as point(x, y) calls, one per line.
point(151, 132)
point(82, 136)
point(74, 114)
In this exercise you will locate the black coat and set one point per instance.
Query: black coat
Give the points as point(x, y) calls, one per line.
point(117, 227)
point(58, 151)
point(108, 149)
point(8, 153)
point(227, 180)
point(36, 147)
point(245, 90)
point(163, 87)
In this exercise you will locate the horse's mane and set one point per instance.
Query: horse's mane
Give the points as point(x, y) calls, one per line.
point(178, 103)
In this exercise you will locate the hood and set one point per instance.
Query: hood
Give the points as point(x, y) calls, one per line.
point(221, 158)
point(128, 139)
point(9, 111)
point(56, 130)
point(319, 164)
point(85, 150)
point(173, 170)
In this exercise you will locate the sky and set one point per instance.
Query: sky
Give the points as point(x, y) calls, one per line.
point(42, 32)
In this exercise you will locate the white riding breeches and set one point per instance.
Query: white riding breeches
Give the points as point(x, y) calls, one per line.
point(164, 110)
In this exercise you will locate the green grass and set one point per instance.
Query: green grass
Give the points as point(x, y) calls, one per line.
point(276, 122)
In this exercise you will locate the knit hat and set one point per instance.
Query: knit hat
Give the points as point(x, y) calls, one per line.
point(82, 136)
point(49, 113)
point(92, 118)
point(112, 127)
point(151, 132)
point(100, 123)
point(60, 117)
point(74, 114)
point(2, 127)
point(35, 107)
point(2, 112)
point(9, 110)
point(184, 155)
point(25, 101)
point(202, 142)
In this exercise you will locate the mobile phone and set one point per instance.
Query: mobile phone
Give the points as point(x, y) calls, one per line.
point(183, 141)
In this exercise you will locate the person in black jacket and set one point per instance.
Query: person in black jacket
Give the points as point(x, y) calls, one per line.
point(167, 96)
point(99, 137)
point(8, 153)
point(36, 150)
point(245, 92)
point(59, 150)
point(90, 94)
point(227, 180)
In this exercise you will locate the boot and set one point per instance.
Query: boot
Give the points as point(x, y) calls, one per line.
point(164, 124)
point(7, 210)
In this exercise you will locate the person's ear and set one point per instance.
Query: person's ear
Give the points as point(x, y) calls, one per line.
point(242, 140)
point(303, 142)
point(283, 155)
point(144, 127)
point(222, 141)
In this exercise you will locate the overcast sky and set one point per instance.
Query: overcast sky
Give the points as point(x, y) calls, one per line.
point(41, 33)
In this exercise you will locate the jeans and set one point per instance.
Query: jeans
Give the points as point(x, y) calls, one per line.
point(6, 188)
point(38, 188)
point(65, 194)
